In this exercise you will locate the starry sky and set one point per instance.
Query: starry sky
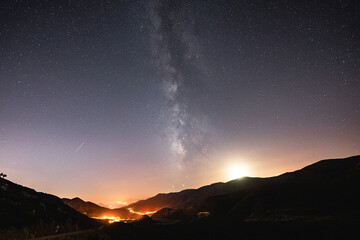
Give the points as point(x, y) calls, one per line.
point(119, 100)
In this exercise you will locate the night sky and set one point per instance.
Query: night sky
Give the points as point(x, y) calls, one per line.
point(119, 100)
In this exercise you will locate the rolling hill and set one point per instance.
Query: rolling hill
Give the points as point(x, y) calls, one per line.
point(326, 190)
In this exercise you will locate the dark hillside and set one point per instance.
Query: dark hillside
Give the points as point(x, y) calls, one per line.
point(25, 213)
point(326, 190)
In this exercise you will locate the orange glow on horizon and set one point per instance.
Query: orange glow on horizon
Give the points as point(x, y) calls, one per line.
point(114, 205)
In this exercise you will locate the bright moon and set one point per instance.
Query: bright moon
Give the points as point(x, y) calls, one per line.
point(237, 171)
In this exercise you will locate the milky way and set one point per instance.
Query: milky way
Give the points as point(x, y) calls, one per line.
point(178, 60)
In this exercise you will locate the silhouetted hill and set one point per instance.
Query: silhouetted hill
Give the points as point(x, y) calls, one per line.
point(87, 208)
point(93, 210)
point(323, 186)
point(326, 190)
point(25, 213)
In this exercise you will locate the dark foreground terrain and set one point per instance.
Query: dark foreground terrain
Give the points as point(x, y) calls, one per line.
point(236, 230)
point(25, 213)
point(320, 201)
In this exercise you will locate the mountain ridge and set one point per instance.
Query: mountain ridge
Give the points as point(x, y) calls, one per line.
point(324, 190)
point(318, 171)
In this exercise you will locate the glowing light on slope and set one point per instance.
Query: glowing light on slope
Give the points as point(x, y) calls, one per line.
point(142, 213)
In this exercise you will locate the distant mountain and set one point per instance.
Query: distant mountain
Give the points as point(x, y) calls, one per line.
point(191, 196)
point(25, 213)
point(93, 210)
point(326, 189)
point(88, 208)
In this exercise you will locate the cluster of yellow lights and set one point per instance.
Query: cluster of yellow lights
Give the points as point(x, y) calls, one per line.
point(111, 219)
point(118, 219)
